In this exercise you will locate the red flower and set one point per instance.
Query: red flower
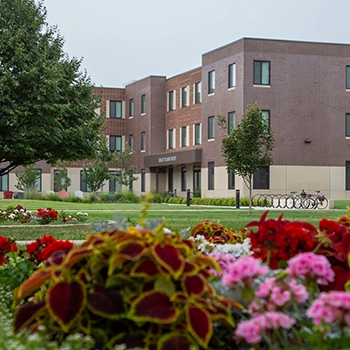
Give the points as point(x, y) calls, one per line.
point(279, 240)
point(6, 247)
point(52, 248)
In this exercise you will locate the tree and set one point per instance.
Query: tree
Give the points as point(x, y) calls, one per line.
point(61, 180)
point(249, 146)
point(26, 179)
point(47, 105)
point(96, 172)
point(121, 160)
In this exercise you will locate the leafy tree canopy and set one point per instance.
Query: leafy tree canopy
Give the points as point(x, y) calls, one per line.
point(249, 146)
point(47, 106)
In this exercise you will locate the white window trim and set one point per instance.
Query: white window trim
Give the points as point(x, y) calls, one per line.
point(194, 134)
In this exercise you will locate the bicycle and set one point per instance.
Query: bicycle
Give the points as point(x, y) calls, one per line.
point(319, 200)
point(293, 201)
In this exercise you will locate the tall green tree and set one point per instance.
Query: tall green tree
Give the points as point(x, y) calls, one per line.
point(47, 105)
point(121, 160)
point(26, 178)
point(249, 146)
point(61, 179)
point(96, 172)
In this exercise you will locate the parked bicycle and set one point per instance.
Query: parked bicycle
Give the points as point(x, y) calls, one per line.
point(317, 200)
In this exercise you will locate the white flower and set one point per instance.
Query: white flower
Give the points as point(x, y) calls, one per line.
point(79, 213)
point(11, 216)
point(85, 214)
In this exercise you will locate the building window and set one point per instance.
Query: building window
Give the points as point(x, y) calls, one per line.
point(183, 178)
point(261, 73)
point(170, 138)
point(231, 180)
point(211, 82)
point(266, 117)
point(143, 180)
point(170, 179)
point(184, 96)
point(171, 100)
point(115, 109)
point(143, 104)
point(184, 136)
point(347, 125)
point(83, 185)
point(197, 134)
point(131, 107)
point(348, 77)
point(211, 128)
point(115, 143)
point(347, 175)
point(261, 179)
point(143, 141)
point(210, 175)
point(131, 142)
point(4, 182)
point(196, 177)
point(231, 122)
point(232, 75)
point(36, 184)
point(114, 182)
point(197, 92)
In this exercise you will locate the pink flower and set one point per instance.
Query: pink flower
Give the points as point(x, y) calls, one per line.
point(333, 306)
point(244, 269)
point(311, 266)
point(224, 261)
point(252, 330)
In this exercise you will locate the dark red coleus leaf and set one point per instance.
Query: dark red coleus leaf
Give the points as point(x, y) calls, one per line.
point(65, 302)
point(154, 307)
point(174, 341)
point(199, 324)
point(168, 256)
point(105, 302)
point(26, 314)
point(144, 268)
point(194, 285)
point(132, 250)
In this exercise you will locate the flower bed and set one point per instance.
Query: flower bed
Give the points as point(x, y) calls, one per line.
point(275, 284)
point(42, 216)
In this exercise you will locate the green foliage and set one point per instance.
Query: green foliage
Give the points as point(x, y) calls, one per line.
point(121, 160)
point(249, 146)
point(47, 105)
point(61, 179)
point(96, 172)
point(150, 290)
point(26, 178)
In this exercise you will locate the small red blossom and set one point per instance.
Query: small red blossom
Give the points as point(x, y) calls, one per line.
point(52, 248)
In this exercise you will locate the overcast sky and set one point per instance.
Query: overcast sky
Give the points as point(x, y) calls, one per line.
point(121, 41)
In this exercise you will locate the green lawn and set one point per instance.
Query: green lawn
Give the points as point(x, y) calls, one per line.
point(177, 217)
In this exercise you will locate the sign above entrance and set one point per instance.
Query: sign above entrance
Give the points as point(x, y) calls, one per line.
point(166, 159)
point(174, 158)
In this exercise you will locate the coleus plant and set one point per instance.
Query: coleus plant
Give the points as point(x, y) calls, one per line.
point(217, 233)
point(136, 286)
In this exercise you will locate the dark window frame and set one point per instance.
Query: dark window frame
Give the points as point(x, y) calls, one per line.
point(183, 178)
point(197, 134)
point(347, 125)
point(211, 127)
point(131, 142)
point(113, 143)
point(143, 180)
point(171, 100)
point(347, 77)
point(184, 136)
point(261, 178)
point(211, 178)
point(211, 82)
point(231, 127)
point(231, 75)
point(143, 140)
point(4, 180)
point(197, 92)
point(143, 104)
point(184, 96)
point(131, 107)
point(258, 72)
point(170, 138)
point(113, 110)
point(231, 180)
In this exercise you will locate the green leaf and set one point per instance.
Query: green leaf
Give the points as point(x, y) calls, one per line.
point(165, 285)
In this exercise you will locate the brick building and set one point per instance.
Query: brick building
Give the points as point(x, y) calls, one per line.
point(303, 89)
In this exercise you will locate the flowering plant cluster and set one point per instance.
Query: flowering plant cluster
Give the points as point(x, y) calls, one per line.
point(43, 248)
point(17, 213)
point(74, 217)
point(46, 216)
